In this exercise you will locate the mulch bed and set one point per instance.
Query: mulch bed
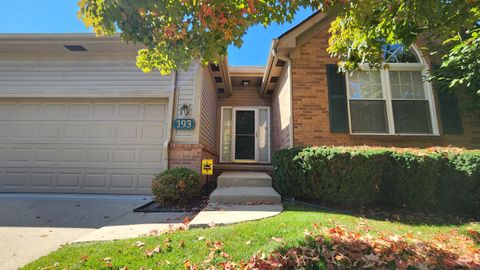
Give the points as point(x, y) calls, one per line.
point(193, 206)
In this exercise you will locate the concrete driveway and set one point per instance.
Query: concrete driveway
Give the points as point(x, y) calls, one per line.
point(33, 225)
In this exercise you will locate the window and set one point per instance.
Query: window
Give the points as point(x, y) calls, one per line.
point(392, 100)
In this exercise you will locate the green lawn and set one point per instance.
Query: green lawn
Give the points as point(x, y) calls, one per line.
point(241, 241)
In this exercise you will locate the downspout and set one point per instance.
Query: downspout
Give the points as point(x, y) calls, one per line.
point(289, 67)
point(171, 111)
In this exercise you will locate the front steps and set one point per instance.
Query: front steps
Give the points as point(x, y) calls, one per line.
point(248, 188)
point(240, 197)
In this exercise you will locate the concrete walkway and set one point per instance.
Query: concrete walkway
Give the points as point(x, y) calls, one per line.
point(224, 214)
point(136, 224)
point(33, 225)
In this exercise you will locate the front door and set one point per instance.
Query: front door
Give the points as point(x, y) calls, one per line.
point(245, 134)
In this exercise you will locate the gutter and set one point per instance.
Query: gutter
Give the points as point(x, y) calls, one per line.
point(268, 68)
point(171, 103)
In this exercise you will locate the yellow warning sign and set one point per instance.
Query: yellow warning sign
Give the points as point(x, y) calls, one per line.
point(207, 166)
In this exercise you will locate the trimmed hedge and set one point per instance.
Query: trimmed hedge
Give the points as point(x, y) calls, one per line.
point(176, 186)
point(434, 179)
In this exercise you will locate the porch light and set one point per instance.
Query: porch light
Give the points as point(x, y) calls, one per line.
point(245, 83)
point(184, 110)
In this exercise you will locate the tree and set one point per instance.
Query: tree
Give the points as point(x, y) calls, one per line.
point(175, 32)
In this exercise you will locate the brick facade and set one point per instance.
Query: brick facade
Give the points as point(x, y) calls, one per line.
point(189, 156)
point(311, 114)
point(280, 115)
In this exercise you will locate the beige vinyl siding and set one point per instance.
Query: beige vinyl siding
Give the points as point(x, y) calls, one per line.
point(186, 94)
point(80, 78)
point(208, 115)
point(281, 113)
point(244, 96)
point(80, 75)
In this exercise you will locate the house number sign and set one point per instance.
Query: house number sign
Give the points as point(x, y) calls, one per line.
point(184, 123)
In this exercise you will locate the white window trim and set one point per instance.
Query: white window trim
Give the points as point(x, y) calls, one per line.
point(268, 135)
point(222, 160)
point(386, 90)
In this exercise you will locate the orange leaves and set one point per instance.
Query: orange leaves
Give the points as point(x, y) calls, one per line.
point(474, 234)
point(186, 220)
point(151, 252)
point(340, 248)
point(277, 239)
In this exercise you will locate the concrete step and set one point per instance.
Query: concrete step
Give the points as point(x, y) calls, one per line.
point(244, 179)
point(235, 167)
point(245, 195)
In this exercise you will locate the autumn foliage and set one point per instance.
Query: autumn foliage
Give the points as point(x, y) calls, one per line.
point(435, 179)
point(339, 248)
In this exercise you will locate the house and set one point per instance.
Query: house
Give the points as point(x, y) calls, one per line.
point(77, 115)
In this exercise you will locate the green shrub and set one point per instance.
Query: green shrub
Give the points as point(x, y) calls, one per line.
point(436, 179)
point(176, 186)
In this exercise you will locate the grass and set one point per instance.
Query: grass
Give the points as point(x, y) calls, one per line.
point(289, 226)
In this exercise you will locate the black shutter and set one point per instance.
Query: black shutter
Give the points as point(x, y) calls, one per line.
point(449, 112)
point(337, 100)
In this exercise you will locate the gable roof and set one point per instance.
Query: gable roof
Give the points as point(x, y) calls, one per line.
point(284, 47)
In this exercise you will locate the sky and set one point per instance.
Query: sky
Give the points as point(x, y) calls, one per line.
point(60, 16)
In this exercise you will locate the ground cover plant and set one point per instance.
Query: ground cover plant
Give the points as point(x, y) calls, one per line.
point(315, 238)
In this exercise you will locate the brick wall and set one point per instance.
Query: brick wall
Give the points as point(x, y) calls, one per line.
point(280, 114)
point(311, 115)
point(189, 156)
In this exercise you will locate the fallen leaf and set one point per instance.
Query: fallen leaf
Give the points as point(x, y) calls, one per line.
point(84, 258)
point(151, 252)
point(181, 244)
point(474, 234)
point(139, 244)
point(277, 239)
point(153, 232)
point(187, 264)
point(186, 220)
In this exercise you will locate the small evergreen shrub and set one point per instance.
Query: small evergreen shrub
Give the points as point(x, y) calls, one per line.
point(434, 179)
point(176, 186)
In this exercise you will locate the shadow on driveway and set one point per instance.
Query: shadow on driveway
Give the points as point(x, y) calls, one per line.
point(33, 225)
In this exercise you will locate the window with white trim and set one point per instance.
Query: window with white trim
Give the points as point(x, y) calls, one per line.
point(393, 100)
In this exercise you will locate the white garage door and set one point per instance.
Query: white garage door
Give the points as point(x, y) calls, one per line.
point(81, 146)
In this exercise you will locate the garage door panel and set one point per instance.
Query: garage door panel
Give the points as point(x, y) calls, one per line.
point(88, 111)
point(81, 180)
point(15, 179)
point(89, 156)
point(42, 180)
point(100, 132)
point(87, 146)
point(68, 180)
